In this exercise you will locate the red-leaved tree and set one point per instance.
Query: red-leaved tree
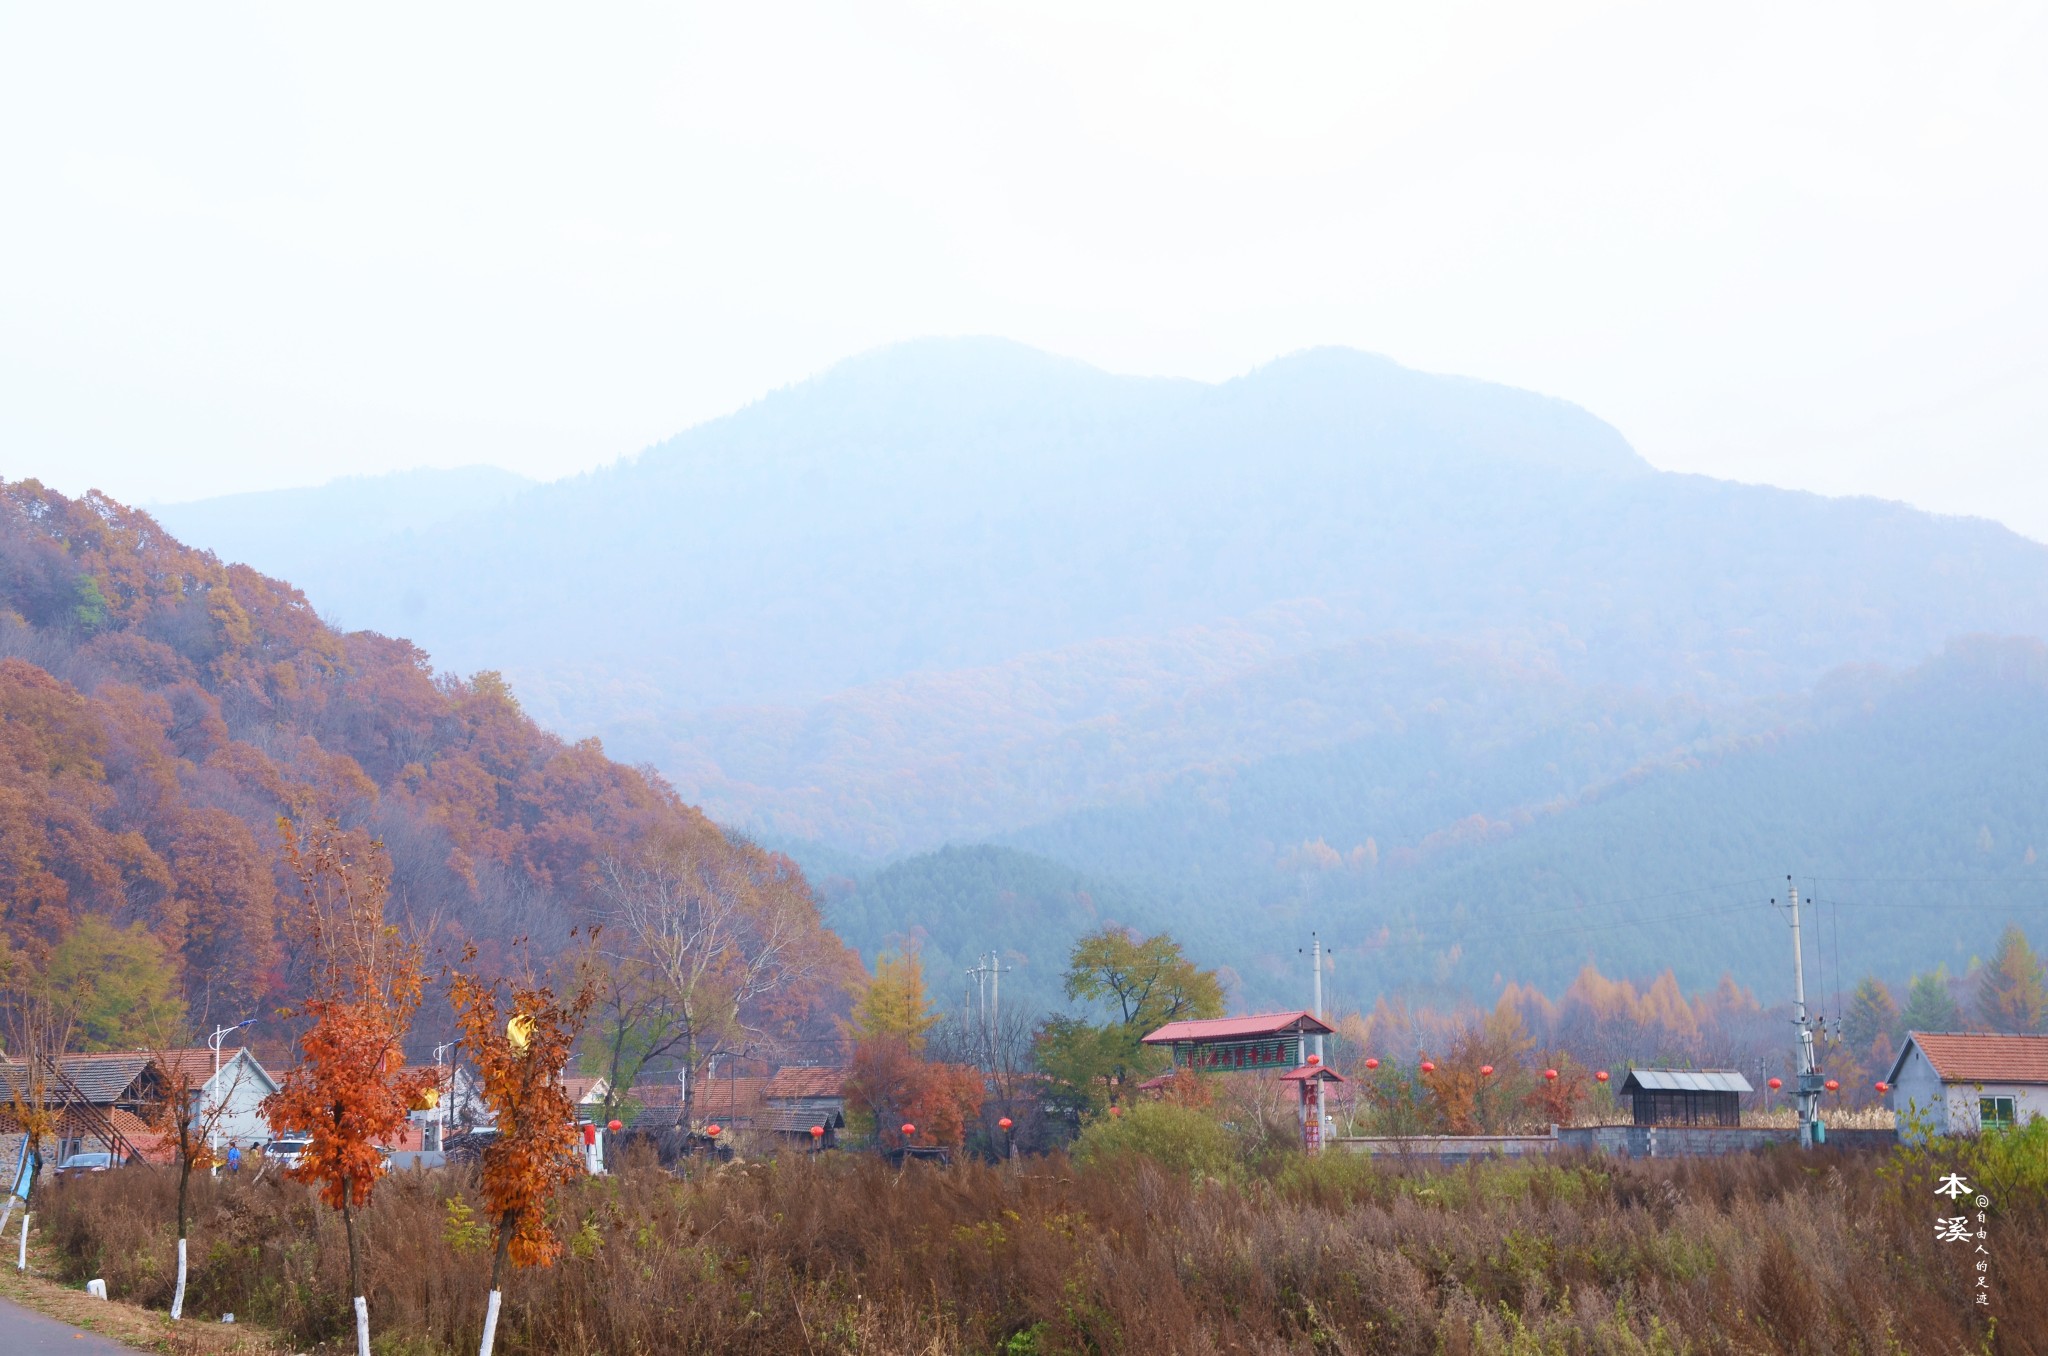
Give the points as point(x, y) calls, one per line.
point(349, 1092)
point(519, 1042)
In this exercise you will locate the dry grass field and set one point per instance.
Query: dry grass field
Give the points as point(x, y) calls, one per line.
point(1779, 1252)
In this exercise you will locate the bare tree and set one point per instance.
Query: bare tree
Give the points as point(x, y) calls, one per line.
point(639, 1023)
point(185, 1114)
point(729, 933)
point(39, 1032)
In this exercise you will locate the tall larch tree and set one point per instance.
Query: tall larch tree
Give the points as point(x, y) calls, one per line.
point(2011, 995)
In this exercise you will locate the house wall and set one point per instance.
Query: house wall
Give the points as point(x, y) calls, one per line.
point(814, 1106)
point(1951, 1108)
point(240, 1088)
point(1962, 1113)
point(1918, 1094)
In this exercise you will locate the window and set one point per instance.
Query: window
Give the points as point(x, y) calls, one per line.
point(1995, 1113)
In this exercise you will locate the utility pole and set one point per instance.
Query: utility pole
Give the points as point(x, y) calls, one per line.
point(1322, 1125)
point(979, 1000)
point(995, 1004)
point(987, 975)
point(1806, 1067)
point(213, 1092)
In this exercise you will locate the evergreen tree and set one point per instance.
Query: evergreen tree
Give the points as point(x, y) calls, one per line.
point(2010, 993)
point(1872, 1013)
point(1929, 1005)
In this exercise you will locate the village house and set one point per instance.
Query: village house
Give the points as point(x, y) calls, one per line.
point(114, 1102)
point(800, 1097)
point(1963, 1083)
point(454, 1104)
point(237, 1090)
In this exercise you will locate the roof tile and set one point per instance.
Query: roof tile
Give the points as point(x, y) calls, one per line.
point(1239, 1028)
point(798, 1081)
point(1982, 1057)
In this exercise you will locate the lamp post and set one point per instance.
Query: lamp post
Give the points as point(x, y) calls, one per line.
point(444, 1100)
point(213, 1091)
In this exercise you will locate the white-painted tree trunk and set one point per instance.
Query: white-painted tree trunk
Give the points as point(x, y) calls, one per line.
point(490, 1325)
point(178, 1295)
point(21, 1258)
point(8, 1213)
point(362, 1326)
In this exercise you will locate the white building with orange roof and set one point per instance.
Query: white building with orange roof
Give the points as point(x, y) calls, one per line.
point(1966, 1082)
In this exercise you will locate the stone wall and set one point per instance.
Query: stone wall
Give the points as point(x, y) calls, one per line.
point(1447, 1148)
point(1629, 1141)
point(1703, 1141)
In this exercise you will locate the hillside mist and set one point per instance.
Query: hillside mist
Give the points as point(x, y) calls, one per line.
point(1335, 643)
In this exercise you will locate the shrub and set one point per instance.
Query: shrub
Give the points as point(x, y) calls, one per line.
point(1179, 1139)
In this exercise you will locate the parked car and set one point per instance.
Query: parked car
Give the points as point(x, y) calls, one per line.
point(287, 1151)
point(79, 1165)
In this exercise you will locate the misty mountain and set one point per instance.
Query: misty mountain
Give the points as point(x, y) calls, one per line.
point(324, 528)
point(1334, 643)
point(955, 588)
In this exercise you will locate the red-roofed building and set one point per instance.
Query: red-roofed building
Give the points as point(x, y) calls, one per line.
point(1963, 1082)
point(1264, 1040)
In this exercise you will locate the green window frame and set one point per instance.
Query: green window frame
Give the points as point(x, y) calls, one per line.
point(1996, 1113)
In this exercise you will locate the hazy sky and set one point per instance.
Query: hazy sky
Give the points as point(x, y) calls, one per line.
point(245, 247)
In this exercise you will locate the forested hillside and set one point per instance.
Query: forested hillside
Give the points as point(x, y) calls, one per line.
point(159, 711)
point(1908, 806)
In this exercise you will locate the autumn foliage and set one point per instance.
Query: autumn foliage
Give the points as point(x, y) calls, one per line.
point(897, 1086)
point(160, 710)
point(534, 1151)
point(350, 1091)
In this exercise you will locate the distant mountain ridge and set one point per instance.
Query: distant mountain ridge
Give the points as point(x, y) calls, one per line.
point(1190, 639)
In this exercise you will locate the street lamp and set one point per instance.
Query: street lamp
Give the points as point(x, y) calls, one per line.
point(213, 1091)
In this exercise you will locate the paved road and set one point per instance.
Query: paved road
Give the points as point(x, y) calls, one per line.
point(25, 1333)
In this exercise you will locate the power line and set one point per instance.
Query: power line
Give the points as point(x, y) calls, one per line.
point(1936, 904)
point(1835, 919)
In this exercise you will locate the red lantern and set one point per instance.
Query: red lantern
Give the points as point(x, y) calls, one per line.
point(589, 1134)
point(1486, 1071)
point(1428, 1067)
point(908, 1129)
point(1600, 1077)
point(1550, 1074)
point(1775, 1083)
point(1883, 1086)
point(712, 1129)
point(817, 1132)
point(1315, 1059)
point(1005, 1123)
point(1372, 1064)
point(615, 1126)
point(1832, 1086)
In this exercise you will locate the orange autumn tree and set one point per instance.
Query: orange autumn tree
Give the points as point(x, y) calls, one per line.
point(519, 1061)
point(349, 1091)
